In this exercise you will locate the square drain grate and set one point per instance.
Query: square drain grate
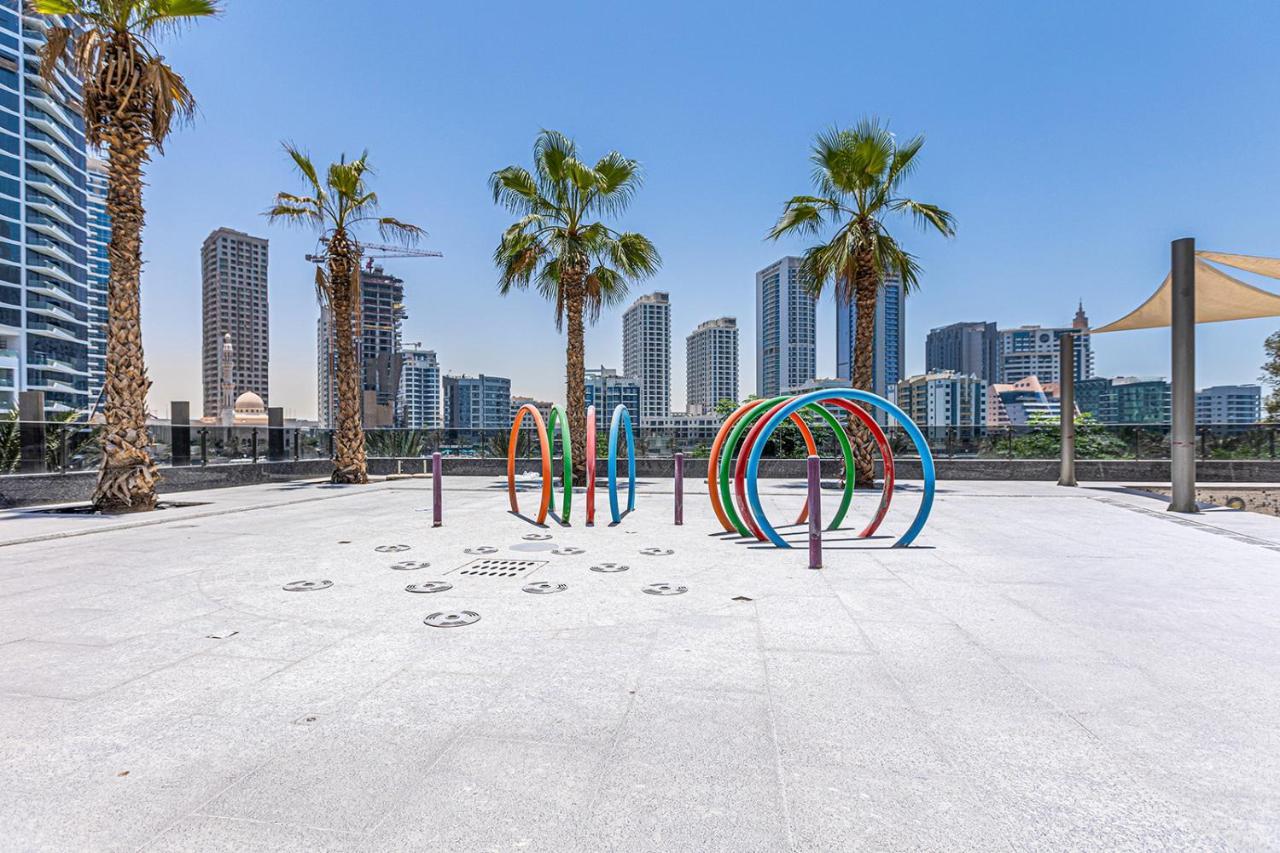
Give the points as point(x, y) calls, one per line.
point(492, 568)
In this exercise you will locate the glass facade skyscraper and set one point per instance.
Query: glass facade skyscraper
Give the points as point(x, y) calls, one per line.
point(786, 328)
point(44, 265)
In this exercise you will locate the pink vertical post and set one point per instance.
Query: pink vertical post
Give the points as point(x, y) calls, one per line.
point(437, 501)
point(815, 512)
point(679, 488)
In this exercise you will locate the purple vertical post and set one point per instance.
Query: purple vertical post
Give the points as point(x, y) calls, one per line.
point(437, 502)
point(815, 512)
point(679, 488)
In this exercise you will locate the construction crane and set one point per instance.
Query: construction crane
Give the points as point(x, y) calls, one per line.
point(382, 251)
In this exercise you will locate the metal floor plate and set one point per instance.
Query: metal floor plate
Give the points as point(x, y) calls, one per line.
point(499, 568)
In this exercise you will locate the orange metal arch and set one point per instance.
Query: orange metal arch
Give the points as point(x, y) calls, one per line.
point(545, 447)
point(713, 459)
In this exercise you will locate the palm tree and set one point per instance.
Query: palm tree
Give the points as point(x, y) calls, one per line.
point(337, 207)
point(858, 175)
point(132, 99)
point(573, 259)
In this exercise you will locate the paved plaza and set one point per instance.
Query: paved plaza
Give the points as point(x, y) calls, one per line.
point(1049, 669)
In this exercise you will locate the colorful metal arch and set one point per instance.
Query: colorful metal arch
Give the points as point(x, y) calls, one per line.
point(831, 395)
point(621, 417)
point(545, 504)
point(559, 423)
point(591, 465)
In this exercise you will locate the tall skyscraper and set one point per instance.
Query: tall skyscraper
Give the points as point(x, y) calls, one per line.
point(711, 373)
point(44, 297)
point(889, 348)
point(964, 348)
point(477, 402)
point(99, 275)
point(378, 349)
point(234, 272)
point(605, 389)
point(786, 328)
point(646, 352)
point(419, 403)
point(1033, 351)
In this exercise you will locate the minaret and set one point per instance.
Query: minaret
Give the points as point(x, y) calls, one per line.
point(1081, 320)
point(227, 385)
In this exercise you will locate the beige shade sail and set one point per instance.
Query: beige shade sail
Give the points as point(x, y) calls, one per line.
point(1219, 297)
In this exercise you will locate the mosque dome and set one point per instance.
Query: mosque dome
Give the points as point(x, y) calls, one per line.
point(250, 403)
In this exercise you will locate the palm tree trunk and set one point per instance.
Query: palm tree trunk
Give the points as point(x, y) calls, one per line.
point(128, 475)
point(866, 290)
point(349, 465)
point(575, 372)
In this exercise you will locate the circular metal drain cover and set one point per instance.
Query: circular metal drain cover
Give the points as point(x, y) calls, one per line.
point(609, 568)
point(410, 565)
point(545, 587)
point(568, 551)
point(657, 552)
point(537, 537)
point(389, 549)
point(454, 619)
point(481, 549)
point(428, 586)
point(307, 586)
point(664, 589)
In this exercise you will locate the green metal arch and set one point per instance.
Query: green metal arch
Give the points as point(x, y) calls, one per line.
point(559, 422)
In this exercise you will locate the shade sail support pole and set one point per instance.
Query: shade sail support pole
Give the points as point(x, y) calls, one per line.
point(1182, 439)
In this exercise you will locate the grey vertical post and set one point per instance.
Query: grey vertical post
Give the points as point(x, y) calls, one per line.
point(815, 512)
point(679, 488)
point(437, 499)
point(1067, 405)
point(275, 434)
point(1182, 440)
point(180, 432)
point(31, 432)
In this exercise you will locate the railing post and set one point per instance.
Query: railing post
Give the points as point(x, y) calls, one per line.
point(1271, 442)
point(679, 488)
point(31, 433)
point(180, 433)
point(63, 461)
point(204, 446)
point(253, 438)
point(275, 434)
point(297, 445)
point(437, 499)
point(815, 512)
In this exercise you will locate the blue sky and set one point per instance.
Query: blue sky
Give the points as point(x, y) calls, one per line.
point(1071, 141)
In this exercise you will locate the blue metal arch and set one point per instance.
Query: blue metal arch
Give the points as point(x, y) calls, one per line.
point(621, 417)
point(917, 438)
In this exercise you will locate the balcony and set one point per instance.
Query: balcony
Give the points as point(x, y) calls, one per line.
point(39, 327)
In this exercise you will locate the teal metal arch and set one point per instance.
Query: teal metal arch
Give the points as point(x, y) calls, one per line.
point(621, 417)
point(917, 438)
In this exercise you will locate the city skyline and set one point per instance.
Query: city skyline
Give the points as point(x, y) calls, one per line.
point(1029, 244)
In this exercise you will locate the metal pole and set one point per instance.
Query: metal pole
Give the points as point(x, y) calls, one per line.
point(679, 488)
point(204, 446)
point(1182, 440)
point(815, 512)
point(253, 436)
point(437, 501)
point(1067, 406)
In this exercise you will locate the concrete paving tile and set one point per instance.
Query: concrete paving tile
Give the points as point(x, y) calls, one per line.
point(808, 623)
point(495, 794)
point(443, 702)
point(208, 834)
point(839, 808)
point(343, 777)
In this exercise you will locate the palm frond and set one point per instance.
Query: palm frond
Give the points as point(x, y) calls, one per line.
point(169, 97)
point(393, 229)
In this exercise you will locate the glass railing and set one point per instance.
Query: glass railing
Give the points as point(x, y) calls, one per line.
point(73, 446)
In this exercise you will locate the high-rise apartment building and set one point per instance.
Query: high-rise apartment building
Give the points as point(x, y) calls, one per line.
point(44, 277)
point(786, 328)
point(965, 348)
point(606, 388)
point(711, 365)
point(233, 269)
point(943, 399)
point(477, 402)
point(419, 402)
point(1229, 404)
point(646, 352)
point(889, 340)
point(99, 232)
point(378, 349)
point(1033, 351)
